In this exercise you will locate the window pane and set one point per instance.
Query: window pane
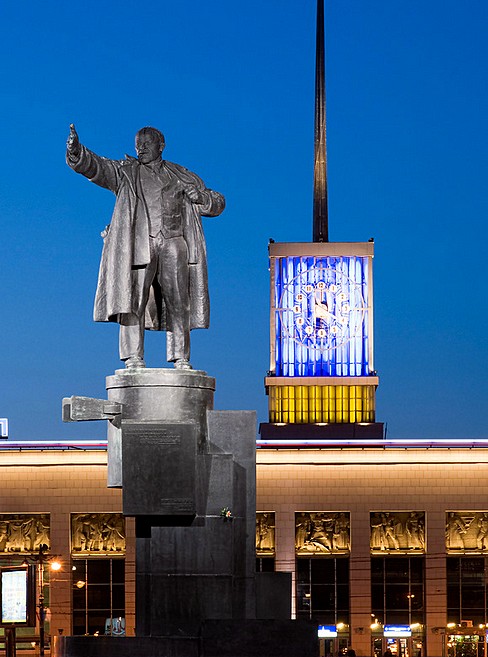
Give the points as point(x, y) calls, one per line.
point(453, 615)
point(79, 623)
point(395, 616)
point(472, 567)
point(303, 598)
point(377, 566)
point(118, 571)
point(98, 596)
point(396, 596)
point(342, 597)
point(80, 569)
point(453, 596)
point(417, 593)
point(324, 617)
point(377, 596)
point(475, 615)
point(303, 571)
point(323, 571)
point(267, 565)
point(417, 570)
point(396, 570)
point(418, 616)
point(79, 598)
point(99, 571)
point(342, 569)
point(472, 595)
point(118, 596)
point(452, 569)
point(96, 621)
point(323, 597)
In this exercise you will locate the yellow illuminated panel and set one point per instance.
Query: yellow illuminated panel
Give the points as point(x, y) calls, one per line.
point(312, 404)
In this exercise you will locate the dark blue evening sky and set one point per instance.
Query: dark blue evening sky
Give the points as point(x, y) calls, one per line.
point(231, 84)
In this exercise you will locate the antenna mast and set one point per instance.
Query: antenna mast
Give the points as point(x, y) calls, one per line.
point(320, 209)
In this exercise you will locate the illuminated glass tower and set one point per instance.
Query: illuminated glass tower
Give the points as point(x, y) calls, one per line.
point(321, 382)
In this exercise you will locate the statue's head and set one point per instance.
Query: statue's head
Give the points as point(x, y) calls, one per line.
point(149, 144)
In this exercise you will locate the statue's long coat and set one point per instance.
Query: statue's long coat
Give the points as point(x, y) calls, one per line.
point(126, 241)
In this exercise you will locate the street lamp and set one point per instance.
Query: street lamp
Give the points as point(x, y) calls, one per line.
point(40, 559)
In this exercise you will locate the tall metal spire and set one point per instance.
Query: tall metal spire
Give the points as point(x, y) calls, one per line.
point(320, 209)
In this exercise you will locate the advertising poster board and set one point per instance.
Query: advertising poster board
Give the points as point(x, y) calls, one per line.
point(17, 603)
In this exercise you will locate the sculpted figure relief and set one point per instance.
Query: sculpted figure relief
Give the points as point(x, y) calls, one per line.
point(97, 532)
point(303, 525)
point(456, 530)
point(322, 532)
point(24, 533)
point(398, 531)
point(482, 534)
point(265, 533)
point(340, 537)
point(153, 270)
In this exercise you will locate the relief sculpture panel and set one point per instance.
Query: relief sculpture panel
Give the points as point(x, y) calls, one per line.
point(322, 532)
point(399, 531)
point(265, 534)
point(466, 531)
point(24, 532)
point(97, 533)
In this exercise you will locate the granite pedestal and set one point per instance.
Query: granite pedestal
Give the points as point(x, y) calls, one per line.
point(180, 463)
point(156, 396)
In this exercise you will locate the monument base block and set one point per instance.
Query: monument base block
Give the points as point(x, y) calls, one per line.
point(151, 398)
point(218, 638)
point(206, 569)
point(188, 477)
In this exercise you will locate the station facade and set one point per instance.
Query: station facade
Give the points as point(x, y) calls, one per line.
point(387, 543)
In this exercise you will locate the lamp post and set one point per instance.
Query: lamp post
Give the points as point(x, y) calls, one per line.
point(40, 560)
point(42, 609)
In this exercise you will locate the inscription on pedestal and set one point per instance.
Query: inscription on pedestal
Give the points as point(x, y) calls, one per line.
point(158, 468)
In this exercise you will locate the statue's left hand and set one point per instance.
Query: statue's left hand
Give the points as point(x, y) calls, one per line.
point(194, 194)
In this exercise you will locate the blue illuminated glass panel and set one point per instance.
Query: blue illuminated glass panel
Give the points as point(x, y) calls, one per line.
point(322, 311)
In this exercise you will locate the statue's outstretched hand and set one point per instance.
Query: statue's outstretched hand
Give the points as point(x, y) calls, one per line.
point(194, 194)
point(73, 142)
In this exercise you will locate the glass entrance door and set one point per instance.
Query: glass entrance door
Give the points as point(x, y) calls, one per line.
point(468, 645)
point(401, 647)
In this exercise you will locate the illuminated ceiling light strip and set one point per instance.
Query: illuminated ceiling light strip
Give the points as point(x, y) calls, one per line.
point(52, 444)
point(394, 443)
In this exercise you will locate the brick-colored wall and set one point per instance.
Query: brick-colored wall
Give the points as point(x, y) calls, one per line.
point(61, 483)
point(434, 481)
point(357, 481)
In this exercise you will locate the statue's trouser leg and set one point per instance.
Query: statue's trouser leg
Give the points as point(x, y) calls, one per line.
point(169, 262)
point(174, 279)
point(131, 338)
point(131, 335)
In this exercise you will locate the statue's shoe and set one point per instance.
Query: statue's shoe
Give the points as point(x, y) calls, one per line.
point(183, 364)
point(135, 361)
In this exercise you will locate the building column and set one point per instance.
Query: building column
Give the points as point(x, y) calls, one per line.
point(435, 585)
point(130, 577)
point(360, 585)
point(60, 588)
point(285, 549)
